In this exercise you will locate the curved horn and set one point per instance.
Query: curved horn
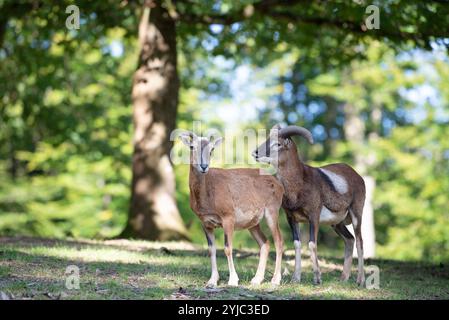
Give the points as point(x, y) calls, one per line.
point(296, 131)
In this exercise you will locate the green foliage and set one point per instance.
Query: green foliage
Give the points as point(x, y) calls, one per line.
point(412, 175)
point(66, 133)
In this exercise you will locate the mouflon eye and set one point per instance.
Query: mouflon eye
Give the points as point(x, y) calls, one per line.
point(279, 144)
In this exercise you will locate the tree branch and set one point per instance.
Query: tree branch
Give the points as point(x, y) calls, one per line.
point(348, 25)
point(237, 16)
point(278, 9)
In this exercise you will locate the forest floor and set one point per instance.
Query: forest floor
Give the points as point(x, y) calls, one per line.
point(32, 268)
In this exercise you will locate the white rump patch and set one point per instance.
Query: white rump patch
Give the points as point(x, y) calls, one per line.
point(338, 181)
point(328, 217)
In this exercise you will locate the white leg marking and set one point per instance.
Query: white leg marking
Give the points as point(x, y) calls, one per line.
point(213, 259)
point(233, 277)
point(263, 256)
point(279, 245)
point(297, 274)
point(315, 266)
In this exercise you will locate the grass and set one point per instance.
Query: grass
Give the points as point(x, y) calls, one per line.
point(33, 268)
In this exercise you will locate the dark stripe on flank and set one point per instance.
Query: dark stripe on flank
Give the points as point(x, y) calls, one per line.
point(327, 179)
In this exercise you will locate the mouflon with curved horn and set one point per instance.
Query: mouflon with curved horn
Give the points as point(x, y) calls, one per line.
point(333, 194)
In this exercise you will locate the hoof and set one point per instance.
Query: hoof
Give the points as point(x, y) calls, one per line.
point(233, 282)
point(211, 284)
point(361, 281)
point(316, 280)
point(256, 281)
point(276, 282)
point(344, 277)
point(296, 278)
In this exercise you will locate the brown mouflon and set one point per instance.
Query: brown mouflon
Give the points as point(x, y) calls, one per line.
point(233, 199)
point(333, 194)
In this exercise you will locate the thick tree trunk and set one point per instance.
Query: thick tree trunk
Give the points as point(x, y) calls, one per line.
point(153, 211)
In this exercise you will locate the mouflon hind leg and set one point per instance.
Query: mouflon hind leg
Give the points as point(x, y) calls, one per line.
point(313, 250)
point(296, 277)
point(264, 246)
point(343, 232)
point(272, 217)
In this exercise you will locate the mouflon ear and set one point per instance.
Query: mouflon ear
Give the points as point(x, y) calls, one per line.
point(217, 141)
point(214, 138)
point(274, 131)
point(188, 138)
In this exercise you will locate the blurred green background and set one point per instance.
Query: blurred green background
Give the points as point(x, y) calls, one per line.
point(66, 122)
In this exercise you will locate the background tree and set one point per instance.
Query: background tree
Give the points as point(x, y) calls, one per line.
point(153, 212)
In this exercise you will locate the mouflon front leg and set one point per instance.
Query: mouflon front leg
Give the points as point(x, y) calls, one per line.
point(210, 236)
point(228, 227)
